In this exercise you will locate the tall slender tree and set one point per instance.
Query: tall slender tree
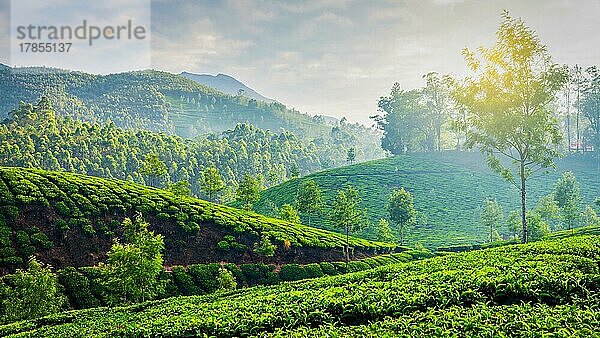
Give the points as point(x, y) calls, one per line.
point(508, 99)
point(309, 199)
point(347, 214)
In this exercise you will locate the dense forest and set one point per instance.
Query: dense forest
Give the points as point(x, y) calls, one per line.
point(34, 136)
point(164, 102)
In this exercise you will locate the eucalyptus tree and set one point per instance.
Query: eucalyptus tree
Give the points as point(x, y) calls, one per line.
point(507, 98)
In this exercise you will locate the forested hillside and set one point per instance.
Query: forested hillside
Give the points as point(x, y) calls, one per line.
point(165, 102)
point(34, 136)
point(71, 220)
point(449, 189)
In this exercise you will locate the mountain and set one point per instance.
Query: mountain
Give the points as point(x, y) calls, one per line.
point(164, 102)
point(549, 288)
point(449, 189)
point(69, 219)
point(226, 84)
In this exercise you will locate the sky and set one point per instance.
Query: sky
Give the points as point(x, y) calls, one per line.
point(337, 57)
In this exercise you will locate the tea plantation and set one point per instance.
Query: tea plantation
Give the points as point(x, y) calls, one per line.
point(70, 220)
point(547, 288)
point(449, 189)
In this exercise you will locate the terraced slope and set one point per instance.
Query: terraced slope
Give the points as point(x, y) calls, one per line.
point(71, 220)
point(449, 189)
point(546, 288)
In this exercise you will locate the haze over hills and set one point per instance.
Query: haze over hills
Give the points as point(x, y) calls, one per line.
point(226, 84)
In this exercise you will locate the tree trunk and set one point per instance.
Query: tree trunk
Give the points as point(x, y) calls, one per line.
point(347, 245)
point(523, 203)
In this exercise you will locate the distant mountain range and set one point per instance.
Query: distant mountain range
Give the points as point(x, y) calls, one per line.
point(226, 84)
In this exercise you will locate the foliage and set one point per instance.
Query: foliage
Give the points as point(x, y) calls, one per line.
point(211, 183)
point(154, 169)
point(568, 197)
point(401, 210)
point(248, 191)
point(32, 293)
point(384, 232)
point(309, 198)
point(441, 184)
point(548, 209)
point(289, 214)
point(181, 188)
point(347, 215)
point(507, 100)
point(491, 217)
point(589, 216)
point(264, 247)
point(225, 280)
point(548, 285)
point(133, 268)
point(351, 155)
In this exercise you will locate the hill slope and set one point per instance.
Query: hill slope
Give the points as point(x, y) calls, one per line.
point(449, 189)
point(226, 84)
point(152, 100)
point(70, 220)
point(546, 287)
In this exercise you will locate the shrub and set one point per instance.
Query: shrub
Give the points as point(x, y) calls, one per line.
point(184, 282)
point(293, 272)
point(328, 268)
point(33, 293)
point(41, 240)
point(314, 270)
point(62, 209)
point(223, 245)
point(225, 280)
point(205, 276)
point(259, 274)
point(77, 288)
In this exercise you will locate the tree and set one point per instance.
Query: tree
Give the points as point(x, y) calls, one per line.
point(225, 279)
point(405, 124)
point(590, 106)
point(248, 191)
point(537, 227)
point(181, 188)
point(288, 213)
point(211, 183)
point(294, 171)
point(513, 223)
point(437, 96)
point(309, 198)
point(491, 216)
point(568, 198)
point(264, 246)
point(589, 216)
point(383, 231)
point(132, 271)
point(401, 210)
point(548, 209)
point(351, 155)
point(507, 100)
point(32, 293)
point(346, 214)
point(154, 169)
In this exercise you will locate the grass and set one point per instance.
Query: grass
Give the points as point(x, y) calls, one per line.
point(449, 189)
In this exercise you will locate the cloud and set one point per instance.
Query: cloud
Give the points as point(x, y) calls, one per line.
point(339, 56)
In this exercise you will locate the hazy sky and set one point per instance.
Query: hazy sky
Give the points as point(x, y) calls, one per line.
point(338, 57)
